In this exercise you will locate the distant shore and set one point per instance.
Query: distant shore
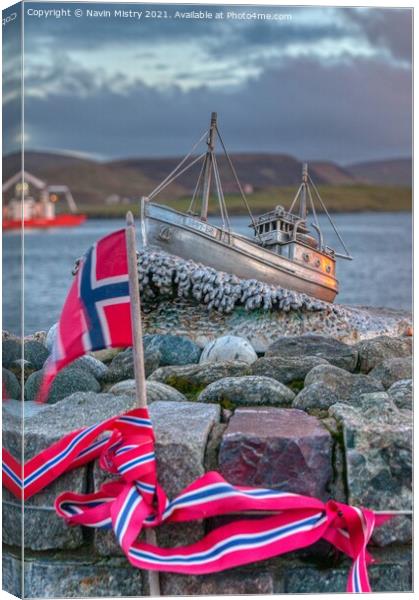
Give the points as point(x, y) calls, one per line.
point(338, 199)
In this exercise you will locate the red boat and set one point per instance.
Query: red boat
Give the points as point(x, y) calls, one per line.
point(58, 221)
point(38, 212)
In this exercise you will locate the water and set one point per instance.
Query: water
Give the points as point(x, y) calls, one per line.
point(379, 275)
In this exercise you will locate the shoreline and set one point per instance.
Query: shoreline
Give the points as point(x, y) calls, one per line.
point(338, 199)
point(93, 213)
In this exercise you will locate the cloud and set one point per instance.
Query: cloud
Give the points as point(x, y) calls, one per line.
point(387, 28)
point(278, 35)
point(12, 81)
point(332, 83)
point(343, 112)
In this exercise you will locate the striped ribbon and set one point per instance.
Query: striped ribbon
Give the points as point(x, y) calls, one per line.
point(125, 446)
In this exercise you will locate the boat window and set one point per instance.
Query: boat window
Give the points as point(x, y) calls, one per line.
point(274, 225)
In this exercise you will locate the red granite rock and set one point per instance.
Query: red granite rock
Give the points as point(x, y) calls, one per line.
point(283, 449)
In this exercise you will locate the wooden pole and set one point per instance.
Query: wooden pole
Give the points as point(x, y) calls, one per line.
point(138, 355)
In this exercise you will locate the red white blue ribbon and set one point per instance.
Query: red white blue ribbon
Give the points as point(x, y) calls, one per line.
point(125, 446)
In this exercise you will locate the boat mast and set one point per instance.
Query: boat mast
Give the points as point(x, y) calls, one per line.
point(208, 167)
point(303, 201)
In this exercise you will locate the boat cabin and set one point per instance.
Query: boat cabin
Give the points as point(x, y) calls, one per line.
point(287, 234)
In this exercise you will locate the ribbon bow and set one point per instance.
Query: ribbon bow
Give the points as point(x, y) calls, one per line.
point(125, 447)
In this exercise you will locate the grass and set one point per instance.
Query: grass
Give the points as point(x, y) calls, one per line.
point(342, 198)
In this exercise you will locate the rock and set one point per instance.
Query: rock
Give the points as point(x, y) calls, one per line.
point(106, 355)
point(14, 408)
point(401, 392)
point(315, 396)
point(38, 336)
point(228, 348)
point(126, 387)
point(174, 349)
point(43, 425)
point(288, 370)
point(22, 368)
point(332, 382)
point(152, 360)
point(378, 452)
point(234, 582)
point(391, 573)
point(213, 446)
point(180, 460)
point(392, 370)
point(51, 335)
point(336, 353)
point(192, 379)
point(77, 576)
point(160, 391)
point(180, 457)
point(283, 449)
point(90, 408)
point(247, 391)
point(67, 382)
point(226, 415)
point(337, 487)
point(182, 430)
point(374, 351)
point(10, 385)
point(11, 351)
point(92, 365)
point(43, 529)
point(122, 366)
point(7, 335)
point(155, 391)
point(396, 531)
point(35, 353)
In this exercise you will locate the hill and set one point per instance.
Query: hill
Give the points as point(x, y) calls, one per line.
point(107, 187)
point(397, 171)
point(261, 171)
point(90, 181)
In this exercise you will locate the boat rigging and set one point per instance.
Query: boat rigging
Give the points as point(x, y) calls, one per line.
point(284, 252)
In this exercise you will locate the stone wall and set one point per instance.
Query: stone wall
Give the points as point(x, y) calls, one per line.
point(311, 415)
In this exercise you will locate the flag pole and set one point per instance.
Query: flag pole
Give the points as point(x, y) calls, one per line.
point(138, 355)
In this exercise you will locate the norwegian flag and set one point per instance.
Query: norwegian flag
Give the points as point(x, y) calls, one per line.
point(96, 313)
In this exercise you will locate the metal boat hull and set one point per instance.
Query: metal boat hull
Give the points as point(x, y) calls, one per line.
point(190, 238)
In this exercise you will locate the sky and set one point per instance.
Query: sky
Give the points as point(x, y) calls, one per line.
point(317, 83)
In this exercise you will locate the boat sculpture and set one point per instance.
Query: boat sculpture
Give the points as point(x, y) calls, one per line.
point(37, 212)
point(285, 251)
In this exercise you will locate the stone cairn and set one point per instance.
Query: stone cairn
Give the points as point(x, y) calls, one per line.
point(301, 411)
